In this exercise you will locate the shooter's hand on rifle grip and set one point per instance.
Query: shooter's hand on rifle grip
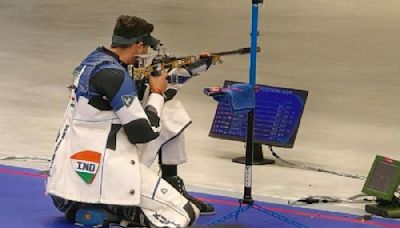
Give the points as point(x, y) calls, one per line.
point(158, 84)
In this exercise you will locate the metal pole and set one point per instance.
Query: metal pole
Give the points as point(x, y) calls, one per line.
point(247, 198)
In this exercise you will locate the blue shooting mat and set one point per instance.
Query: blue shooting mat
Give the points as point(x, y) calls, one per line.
point(23, 204)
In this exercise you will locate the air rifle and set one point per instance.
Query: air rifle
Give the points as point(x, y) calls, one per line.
point(165, 62)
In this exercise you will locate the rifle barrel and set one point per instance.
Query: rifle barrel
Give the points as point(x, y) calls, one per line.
point(240, 51)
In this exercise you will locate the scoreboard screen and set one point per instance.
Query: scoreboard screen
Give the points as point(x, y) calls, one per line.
point(277, 117)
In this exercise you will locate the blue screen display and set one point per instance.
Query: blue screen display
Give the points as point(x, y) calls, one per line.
point(277, 117)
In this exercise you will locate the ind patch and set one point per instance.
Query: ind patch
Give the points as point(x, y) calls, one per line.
point(86, 164)
point(127, 100)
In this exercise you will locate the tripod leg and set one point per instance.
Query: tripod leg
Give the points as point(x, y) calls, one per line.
point(279, 216)
point(238, 211)
point(234, 213)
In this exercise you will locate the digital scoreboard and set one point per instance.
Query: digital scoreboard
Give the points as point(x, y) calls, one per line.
point(278, 113)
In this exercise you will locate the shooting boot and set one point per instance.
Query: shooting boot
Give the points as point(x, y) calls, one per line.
point(177, 183)
point(130, 216)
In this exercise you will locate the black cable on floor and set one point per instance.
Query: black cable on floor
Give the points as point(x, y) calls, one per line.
point(355, 176)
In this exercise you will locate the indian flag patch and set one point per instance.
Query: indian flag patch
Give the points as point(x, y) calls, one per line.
point(86, 164)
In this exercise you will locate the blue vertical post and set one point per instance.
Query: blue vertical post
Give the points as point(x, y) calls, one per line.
point(253, 42)
point(247, 198)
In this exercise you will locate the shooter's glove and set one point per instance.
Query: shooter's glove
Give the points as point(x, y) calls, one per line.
point(178, 76)
point(206, 56)
point(199, 66)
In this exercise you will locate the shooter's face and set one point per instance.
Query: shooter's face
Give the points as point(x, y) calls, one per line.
point(138, 49)
point(141, 49)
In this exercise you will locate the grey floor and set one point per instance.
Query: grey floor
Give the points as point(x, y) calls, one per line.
point(345, 53)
